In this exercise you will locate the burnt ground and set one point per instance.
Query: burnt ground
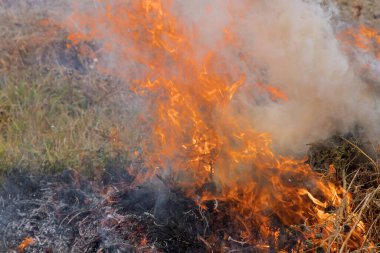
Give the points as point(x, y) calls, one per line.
point(67, 213)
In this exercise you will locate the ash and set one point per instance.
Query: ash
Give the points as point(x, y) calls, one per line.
point(67, 213)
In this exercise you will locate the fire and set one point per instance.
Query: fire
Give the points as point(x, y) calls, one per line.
point(275, 93)
point(25, 243)
point(364, 38)
point(201, 138)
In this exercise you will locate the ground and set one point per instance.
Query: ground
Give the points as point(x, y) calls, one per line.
point(362, 11)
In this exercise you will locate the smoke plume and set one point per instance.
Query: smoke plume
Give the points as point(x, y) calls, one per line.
point(288, 44)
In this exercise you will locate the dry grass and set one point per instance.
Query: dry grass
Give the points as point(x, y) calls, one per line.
point(360, 11)
point(55, 111)
point(359, 174)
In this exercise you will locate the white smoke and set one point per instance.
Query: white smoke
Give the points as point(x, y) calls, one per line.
point(294, 42)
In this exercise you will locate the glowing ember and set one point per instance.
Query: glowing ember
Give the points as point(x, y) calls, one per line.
point(25, 243)
point(211, 152)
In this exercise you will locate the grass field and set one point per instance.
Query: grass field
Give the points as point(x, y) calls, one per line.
point(55, 110)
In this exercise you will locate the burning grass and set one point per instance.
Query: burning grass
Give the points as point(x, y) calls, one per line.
point(59, 110)
point(356, 171)
point(66, 212)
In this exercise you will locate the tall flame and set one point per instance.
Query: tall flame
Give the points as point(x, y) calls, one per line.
point(201, 136)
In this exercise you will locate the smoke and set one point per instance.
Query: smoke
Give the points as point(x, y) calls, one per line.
point(292, 45)
point(289, 44)
point(296, 44)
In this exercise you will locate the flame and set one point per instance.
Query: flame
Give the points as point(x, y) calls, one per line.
point(364, 38)
point(199, 135)
point(274, 92)
point(25, 243)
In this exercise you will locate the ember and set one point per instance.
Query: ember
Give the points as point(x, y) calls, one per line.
point(27, 241)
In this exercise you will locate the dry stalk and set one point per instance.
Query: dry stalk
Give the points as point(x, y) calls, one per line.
point(363, 153)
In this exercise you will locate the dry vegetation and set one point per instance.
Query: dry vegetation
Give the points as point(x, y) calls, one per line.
point(362, 11)
point(357, 172)
point(56, 112)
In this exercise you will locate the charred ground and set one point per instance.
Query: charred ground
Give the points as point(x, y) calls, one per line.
point(67, 213)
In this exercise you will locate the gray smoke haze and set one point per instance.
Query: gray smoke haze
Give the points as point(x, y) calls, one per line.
point(291, 45)
point(294, 42)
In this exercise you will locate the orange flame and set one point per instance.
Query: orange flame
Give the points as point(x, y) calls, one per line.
point(25, 243)
point(274, 92)
point(364, 38)
point(198, 133)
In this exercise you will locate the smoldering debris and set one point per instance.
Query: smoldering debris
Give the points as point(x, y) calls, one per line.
point(67, 213)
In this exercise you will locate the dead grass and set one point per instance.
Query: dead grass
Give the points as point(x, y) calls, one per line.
point(357, 172)
point(360, 11)
point(55, 111)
